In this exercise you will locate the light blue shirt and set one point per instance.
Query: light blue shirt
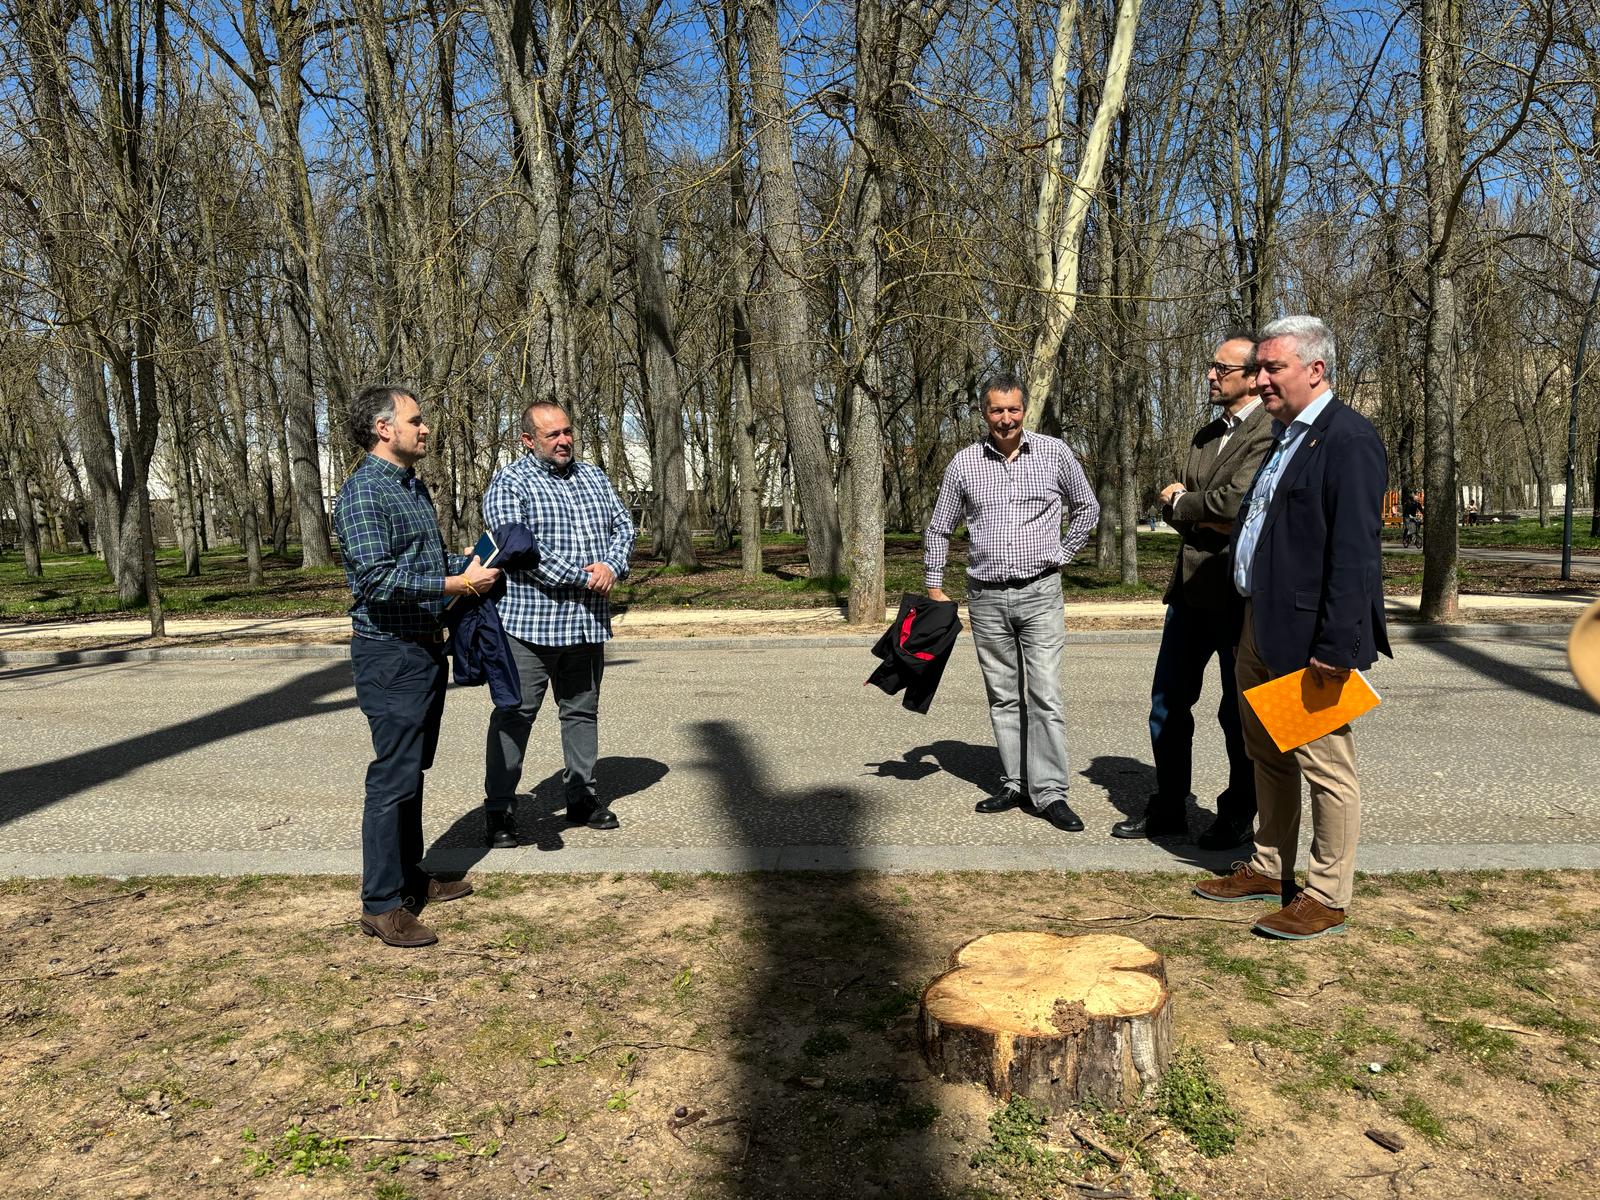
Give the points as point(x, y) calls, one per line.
point(1266, 485)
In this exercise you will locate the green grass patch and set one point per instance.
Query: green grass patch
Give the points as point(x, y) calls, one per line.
point(1414, 1111)
point(1196, 1106)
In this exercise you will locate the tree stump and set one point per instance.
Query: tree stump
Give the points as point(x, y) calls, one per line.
point(1060, 1020)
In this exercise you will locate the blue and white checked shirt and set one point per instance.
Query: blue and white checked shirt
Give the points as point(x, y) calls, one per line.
point(1012, 510)
point(1265, 487)
point(577, 519)
point(394, 554)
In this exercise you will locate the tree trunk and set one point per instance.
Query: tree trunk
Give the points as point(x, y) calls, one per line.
point(1061, 1020)
point(1058, 234)
point(742, 381)
point(1441, 138)
point(780, 226)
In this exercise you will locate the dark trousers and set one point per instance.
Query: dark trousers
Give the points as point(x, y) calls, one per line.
point(400, 688)
point(1190, 638)
point(574, 672)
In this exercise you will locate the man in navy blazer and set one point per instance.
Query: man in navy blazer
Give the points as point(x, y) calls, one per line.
point(1307, 559)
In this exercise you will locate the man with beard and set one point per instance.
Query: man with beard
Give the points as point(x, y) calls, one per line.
point(1203, 607)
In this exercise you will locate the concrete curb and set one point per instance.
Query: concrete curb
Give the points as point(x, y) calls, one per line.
point(1374, 860)
point(1555, 631)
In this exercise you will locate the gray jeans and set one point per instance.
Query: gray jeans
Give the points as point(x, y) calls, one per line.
point(1019, 633)
point(575, 671)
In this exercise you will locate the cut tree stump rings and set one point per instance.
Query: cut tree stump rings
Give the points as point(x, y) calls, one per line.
point(1060, 1020)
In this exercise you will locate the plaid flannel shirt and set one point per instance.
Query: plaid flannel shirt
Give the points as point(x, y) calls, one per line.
point(1012, 511)
point(394, 554)
point(577, 518)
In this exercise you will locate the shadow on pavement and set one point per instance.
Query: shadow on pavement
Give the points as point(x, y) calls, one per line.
point(541, 813)
point(1129, 784)
point(26, 790)
point(1556, 687)
point(977, 765)
point(821, 1097)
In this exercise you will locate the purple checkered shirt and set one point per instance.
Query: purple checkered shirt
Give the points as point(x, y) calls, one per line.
point(1012, 511)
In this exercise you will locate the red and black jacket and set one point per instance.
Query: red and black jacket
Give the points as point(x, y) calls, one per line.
point(915, 649)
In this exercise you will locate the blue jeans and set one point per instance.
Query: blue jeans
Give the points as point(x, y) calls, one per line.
point(1019, 633)
point(575, 672)
point(400, 688)
point(1189, 640)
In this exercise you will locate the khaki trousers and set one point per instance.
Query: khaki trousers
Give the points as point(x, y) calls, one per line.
point(1329, 767)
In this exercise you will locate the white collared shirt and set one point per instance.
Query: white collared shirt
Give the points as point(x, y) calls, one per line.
point(1232, 421)
point(1266, 486)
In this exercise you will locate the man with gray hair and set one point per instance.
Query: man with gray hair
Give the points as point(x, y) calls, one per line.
point(1308, 562)
point(1012, 490)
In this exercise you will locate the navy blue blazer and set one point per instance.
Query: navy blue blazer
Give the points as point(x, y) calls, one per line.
point(1317, 585)
point(480, 648)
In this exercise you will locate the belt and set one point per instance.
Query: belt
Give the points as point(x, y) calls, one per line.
point(436, 638)
point(1020, 582)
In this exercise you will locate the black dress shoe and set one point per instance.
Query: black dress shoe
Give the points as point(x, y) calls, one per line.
point(580, 810)
point(502, 830)
point(1226, 833)
point(1154, 828)
point(1000, 801)
point(1060, 814)
point(602, 818)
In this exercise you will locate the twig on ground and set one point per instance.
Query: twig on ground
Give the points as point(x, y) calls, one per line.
point(420, 999)
point(138, 894)
point(385, 1137)
point(1316, 991)
point(385, 1025)
point(42, 978)
point(641, 1046)
point(1125, 919)
point(847, 985)
point(1534, 1033)
point(497, 955)
point(1114, 1157)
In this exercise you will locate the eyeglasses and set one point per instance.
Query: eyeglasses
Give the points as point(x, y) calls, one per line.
point(1223, 370)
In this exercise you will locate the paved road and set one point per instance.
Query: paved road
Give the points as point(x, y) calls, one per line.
point(735, 758)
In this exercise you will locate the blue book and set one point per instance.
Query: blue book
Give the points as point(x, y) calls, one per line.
point(487, 549)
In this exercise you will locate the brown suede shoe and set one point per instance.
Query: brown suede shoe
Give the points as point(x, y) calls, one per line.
point(441, 890)
point(1300, 919)
point(1244, 884)
point(397, 927)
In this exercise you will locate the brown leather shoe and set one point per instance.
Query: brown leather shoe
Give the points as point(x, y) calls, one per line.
point(1244, 884)
point(397, 927)
point(1300, 919)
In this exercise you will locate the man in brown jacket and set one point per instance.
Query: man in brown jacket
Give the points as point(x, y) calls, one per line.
point(1203, 607)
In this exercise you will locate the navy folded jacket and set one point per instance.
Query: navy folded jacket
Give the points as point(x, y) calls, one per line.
point(480, 649)
point(916, 648)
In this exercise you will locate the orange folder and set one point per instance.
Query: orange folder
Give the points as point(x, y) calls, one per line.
point(1296, 709)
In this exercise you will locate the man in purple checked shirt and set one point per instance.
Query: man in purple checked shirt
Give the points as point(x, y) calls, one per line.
point(1011, 489)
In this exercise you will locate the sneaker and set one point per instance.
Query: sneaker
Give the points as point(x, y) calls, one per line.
point(1244, 884)
point(1300, 919)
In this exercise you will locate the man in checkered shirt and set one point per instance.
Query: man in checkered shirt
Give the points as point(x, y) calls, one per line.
point(557, 614)
point(1010, 489)
point(400, 576)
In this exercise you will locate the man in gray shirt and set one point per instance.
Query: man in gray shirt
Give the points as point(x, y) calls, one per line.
point(1010, 490)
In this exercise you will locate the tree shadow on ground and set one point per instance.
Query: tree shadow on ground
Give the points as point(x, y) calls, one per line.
point(26, 790)
point(1556, 687)
point(541, 813)
point(827, 1104)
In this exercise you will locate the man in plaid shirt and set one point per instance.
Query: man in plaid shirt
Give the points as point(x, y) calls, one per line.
point(557, 614)
point(400, 575)
point(1010, 490)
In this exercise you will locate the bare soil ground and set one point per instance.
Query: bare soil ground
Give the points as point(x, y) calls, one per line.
point(755, 1036)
